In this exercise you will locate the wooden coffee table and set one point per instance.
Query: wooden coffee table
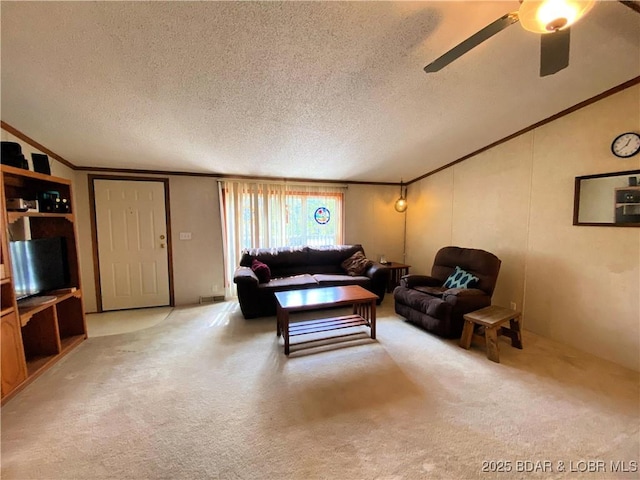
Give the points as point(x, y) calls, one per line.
point(364, 311)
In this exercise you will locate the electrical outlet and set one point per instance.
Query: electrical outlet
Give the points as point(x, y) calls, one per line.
point(513, 306)
point(185, 235)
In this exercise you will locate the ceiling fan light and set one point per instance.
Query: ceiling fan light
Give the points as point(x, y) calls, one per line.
point(552, 15)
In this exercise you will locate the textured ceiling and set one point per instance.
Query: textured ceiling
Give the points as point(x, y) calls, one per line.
point(321, 90)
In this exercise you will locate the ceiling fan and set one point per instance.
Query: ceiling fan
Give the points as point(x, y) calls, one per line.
point(550, 18)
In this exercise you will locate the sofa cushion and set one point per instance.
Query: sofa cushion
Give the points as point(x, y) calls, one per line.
point(356, 264)
point(326, 280)
point(460, 279)
point(294, 282)
point(261, 270)
point(332, 255)
point(276, 257)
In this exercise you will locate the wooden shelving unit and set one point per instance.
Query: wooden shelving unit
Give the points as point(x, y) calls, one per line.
point(34, 338)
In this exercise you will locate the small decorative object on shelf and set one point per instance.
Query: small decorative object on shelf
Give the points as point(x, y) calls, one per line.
point(47, 201)
point(61, 205)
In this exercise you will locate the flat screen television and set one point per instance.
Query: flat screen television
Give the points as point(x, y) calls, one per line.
point(39, 266)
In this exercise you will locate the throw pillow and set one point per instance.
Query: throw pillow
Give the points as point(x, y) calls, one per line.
point(262, 271)
point(461, 279)
point(356, 264)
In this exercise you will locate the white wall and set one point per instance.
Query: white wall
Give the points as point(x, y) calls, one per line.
point(371, 220)
point(578, 285)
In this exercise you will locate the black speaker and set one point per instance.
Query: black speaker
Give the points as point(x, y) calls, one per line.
point(11, 154)
point(11, 149)
point(41, 163)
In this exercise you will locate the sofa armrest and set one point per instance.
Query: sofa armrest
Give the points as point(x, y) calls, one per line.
point(377, 270)
point(379, 275)
point(245, 276)
point(413, 280)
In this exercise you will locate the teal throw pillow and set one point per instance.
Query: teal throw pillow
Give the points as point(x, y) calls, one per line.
point(461, 279)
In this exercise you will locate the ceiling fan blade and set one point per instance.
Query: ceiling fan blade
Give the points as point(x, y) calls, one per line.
point(554, 52)
point(471, 42)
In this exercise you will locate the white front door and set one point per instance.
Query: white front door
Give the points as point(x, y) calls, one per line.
point(131, 230)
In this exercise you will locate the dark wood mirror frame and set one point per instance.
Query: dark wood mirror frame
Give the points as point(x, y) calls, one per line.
point(615, 195)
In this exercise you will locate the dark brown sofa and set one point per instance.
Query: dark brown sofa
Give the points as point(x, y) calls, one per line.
point(295, 268)
point(423, 300)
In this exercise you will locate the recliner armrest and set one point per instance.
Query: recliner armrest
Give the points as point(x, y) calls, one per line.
point(463, 292)
point(466, 299)
point(413, 280)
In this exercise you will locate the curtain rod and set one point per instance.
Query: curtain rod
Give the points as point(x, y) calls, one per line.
point(284, 182)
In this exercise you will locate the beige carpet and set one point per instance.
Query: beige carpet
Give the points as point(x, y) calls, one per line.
point(125, 321)
point(206, 395)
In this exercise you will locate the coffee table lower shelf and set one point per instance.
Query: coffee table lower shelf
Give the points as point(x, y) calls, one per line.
point(326, 324)
point(307, 327)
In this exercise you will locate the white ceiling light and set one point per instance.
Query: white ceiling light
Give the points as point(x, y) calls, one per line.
point(552, 15)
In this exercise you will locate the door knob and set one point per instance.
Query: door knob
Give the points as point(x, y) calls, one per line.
point(161, 237)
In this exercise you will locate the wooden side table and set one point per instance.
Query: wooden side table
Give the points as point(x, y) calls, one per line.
point(492, 318)
point(396, 271)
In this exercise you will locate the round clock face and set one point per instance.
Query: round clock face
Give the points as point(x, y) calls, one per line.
point(626, 145)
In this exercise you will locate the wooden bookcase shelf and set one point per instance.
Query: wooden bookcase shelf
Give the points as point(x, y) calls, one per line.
point(35, 337)
point(12, 217)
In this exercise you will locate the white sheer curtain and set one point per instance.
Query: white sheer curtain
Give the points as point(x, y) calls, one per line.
point(262, 214)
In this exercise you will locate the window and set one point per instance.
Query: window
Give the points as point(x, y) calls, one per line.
point(263, 214)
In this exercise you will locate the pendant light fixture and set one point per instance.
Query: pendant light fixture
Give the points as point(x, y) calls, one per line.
point(401, 203)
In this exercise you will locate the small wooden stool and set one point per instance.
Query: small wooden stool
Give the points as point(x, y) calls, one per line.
point(491, 318)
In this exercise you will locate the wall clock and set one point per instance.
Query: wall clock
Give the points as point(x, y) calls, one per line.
point(626, 145)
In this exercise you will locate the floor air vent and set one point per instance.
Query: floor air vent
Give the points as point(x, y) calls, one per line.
point(212, 299)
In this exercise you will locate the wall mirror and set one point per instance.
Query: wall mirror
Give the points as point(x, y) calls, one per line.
point(608, 199)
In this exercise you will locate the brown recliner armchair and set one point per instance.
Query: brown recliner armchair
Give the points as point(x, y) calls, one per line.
point(426, 302)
